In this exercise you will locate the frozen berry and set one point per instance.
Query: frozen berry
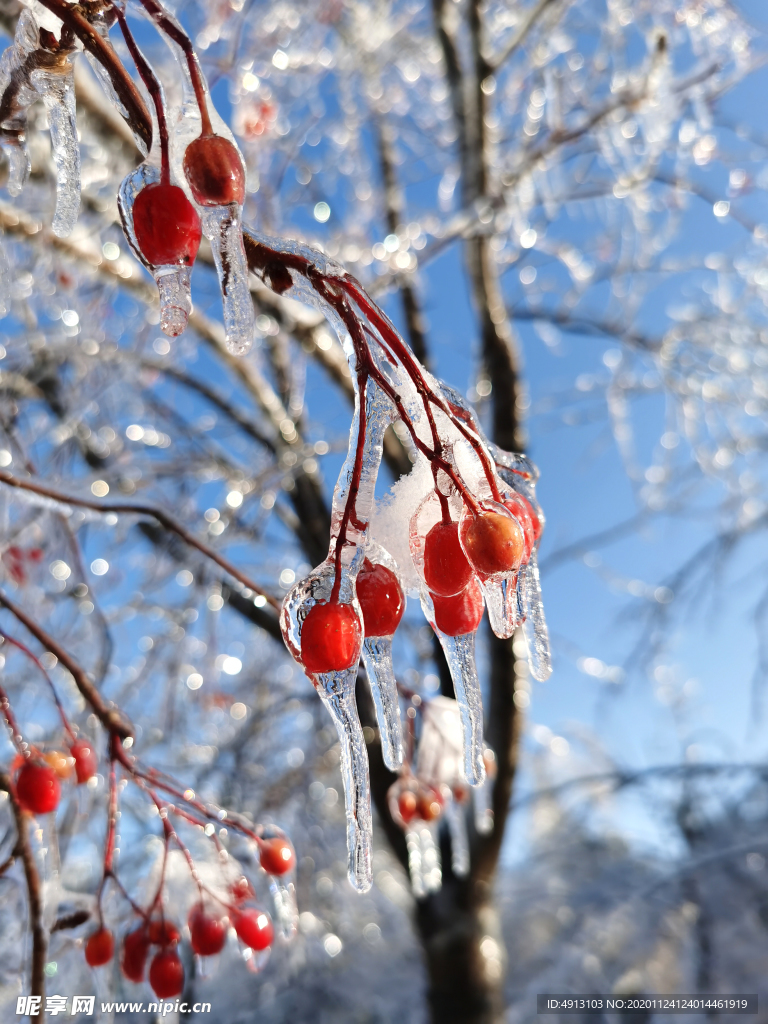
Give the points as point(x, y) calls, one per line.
point(430, 804)
point(166, 225)
point(330, 638)
point(276, 855)
point(407, 805)
point(208, 931)
point(37, 787)
point(519, 508)
point(166, 974)
point(99, 948)
point(381, 599)
point(461, 613)
point(254, 928)
point(135, 950)
point(214, 170)
point(446, 569)
point(86, 761)
point(494, 542)
point(163, 933)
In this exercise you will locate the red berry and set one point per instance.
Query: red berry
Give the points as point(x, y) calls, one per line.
point(277, 856)
point(163, 933)
point(446, 569)
point(86, 761)
point(494, 542)
point(330, 638)
point(461, 613)
point(135, 949)
point(166, 974)
point(520, 509)
point(430, 804)
point(208, 931)
point(535, 517)
point(99, 948)
point(407, 805)
point(166, 225)
point(254, 928)
point(214, 170)
point(37, 788)
point(381, 599)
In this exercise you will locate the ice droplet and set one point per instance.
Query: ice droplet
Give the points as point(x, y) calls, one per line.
point(535, 625)
point(222, 227)
point(57, 88)
point(377, 656)
point(337, 691)
point(481, 798)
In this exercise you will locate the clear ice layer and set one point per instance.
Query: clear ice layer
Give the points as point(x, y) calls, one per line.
point(377, 656)
point(222, 227)
point(57, 89)
point(337, 691)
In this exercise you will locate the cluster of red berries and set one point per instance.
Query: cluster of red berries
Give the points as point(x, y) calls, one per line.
point(38, 779)
point(411, 800)
point(208, 923)
point(331, 636)
point(484, 544)
point(166, 225)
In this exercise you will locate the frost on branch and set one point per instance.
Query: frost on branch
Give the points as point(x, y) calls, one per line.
point(454, 532)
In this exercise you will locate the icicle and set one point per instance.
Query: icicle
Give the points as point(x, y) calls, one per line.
point(460, 655)
point(283, 892)
point(377, 656)
point(222, 227)
point(337, 691)
point(457, 826)
point(57, 88)
point(535, 625)
point(502, 602)
point(5, 280)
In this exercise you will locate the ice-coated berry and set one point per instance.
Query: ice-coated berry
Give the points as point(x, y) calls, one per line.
point(214, 170)
point(494, 542)
point(166, 225)
point(207, 930)
point(381, 599)
point(166, 974)
point(277, 856)
point(37, 787)
point(446, 569)
point(86, 761)
point(330, 638)
point(99, 947)
point(135, 951)
point(254, 928)
point(461, 613)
